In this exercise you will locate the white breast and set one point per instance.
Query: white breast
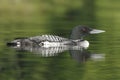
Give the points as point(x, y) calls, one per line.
point(84, 44)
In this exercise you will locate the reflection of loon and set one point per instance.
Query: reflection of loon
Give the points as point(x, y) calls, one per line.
point(55, 41)
point(83, 55)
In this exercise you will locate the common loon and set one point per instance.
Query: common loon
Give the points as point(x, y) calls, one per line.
point(76, 38)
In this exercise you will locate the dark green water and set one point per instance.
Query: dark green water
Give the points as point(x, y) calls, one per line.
point(31, 18)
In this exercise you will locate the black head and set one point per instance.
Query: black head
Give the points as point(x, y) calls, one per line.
point(84, 29)
point(80, 31)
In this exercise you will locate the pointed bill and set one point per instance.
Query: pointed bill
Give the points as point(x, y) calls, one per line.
point(96, 31)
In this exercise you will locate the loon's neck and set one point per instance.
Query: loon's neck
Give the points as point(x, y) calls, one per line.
point(76, 34)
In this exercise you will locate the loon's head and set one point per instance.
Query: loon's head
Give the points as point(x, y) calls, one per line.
point(80, 31)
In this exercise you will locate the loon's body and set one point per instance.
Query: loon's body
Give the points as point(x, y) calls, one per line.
point(53, 41)
point(48, 41)
point(76, 39)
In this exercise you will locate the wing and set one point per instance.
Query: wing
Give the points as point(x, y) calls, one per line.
point(51, 38)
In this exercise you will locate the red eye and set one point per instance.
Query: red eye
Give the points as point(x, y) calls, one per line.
point(84, 30)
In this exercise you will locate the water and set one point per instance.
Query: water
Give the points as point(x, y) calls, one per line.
point(58, 18)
